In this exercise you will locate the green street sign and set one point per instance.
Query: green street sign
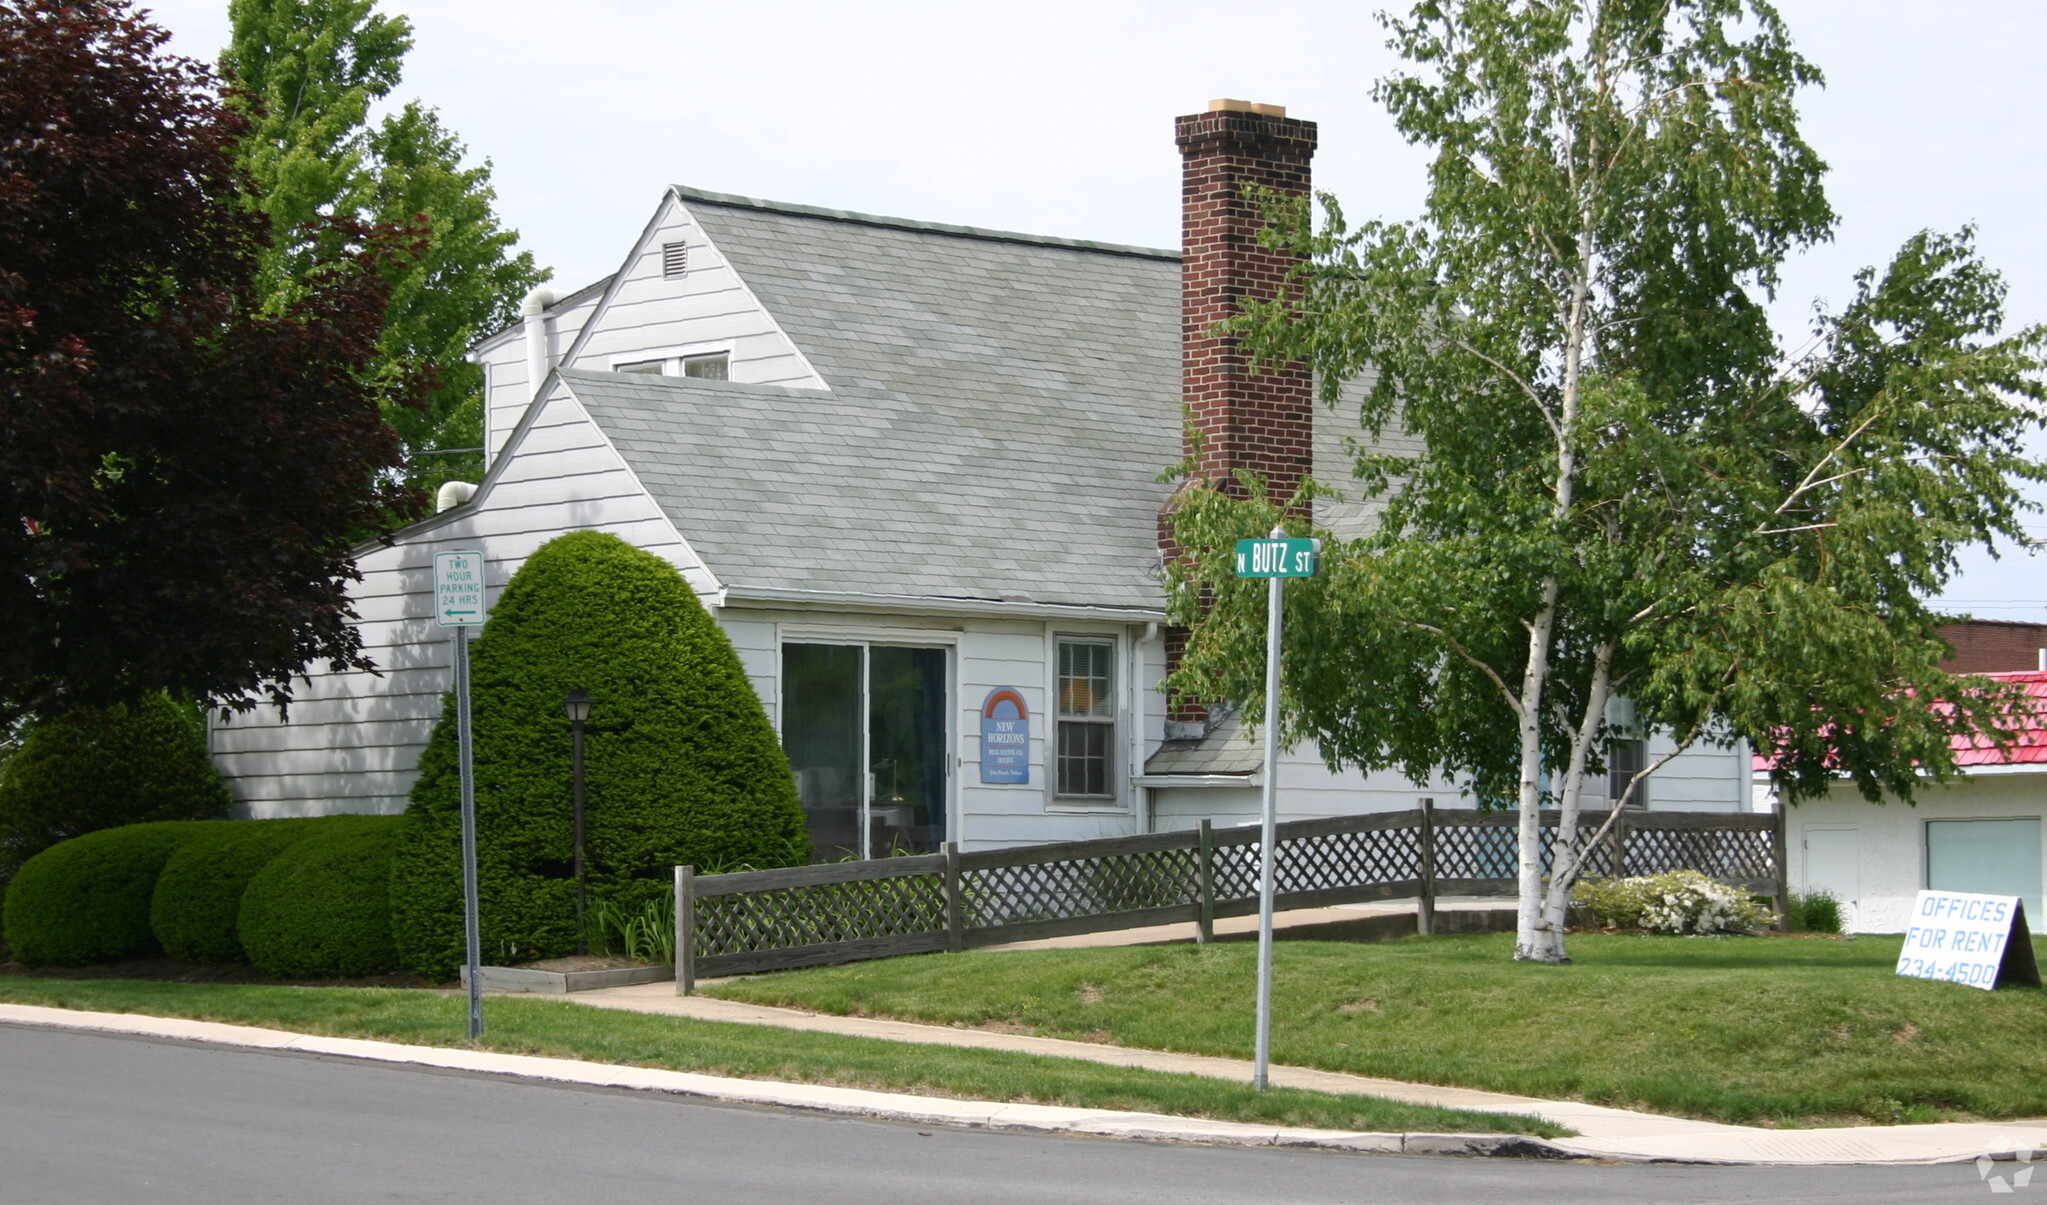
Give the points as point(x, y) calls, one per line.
point(1278, 558)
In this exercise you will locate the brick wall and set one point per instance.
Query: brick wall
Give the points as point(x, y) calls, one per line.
point(1988, 646)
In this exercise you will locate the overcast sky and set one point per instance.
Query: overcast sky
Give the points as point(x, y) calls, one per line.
point(1056, 118)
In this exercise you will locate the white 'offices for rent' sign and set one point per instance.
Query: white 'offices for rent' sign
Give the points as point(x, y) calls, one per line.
point(1976, 940)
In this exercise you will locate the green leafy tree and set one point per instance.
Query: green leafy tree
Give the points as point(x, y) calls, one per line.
point(682, 765)
point(1626, 487)
point(310, 73)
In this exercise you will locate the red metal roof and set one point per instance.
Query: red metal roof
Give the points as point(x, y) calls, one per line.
point(2029, 747)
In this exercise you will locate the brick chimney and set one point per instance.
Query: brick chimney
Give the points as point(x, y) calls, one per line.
point(1258, 420)
point(1261, 419)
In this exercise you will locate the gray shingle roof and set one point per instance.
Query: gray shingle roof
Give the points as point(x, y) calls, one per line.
point(1000, 409)
point(867, 490)
point(1226, 749)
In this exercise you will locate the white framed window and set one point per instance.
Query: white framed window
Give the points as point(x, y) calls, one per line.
point(711, 366)
point(1084, 737)
point(708, 364)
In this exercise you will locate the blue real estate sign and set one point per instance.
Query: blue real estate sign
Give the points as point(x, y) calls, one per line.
point(1005, 737)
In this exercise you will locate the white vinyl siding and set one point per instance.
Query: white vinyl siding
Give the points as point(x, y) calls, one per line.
point(353, 740)
point(508, 391)
point(648, 314)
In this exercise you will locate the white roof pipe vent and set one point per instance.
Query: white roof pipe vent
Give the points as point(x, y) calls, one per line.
point(539, 356)
point(453, 494)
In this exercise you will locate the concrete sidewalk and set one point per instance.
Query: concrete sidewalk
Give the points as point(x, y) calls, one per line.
point(1604, 1133)
point(1344, 922)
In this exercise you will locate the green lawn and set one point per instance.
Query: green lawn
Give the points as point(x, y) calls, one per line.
point(1761, 1030)
point(515, 1025)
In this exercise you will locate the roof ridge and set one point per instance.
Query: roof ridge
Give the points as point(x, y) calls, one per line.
point(599, 376)
point(734, 201)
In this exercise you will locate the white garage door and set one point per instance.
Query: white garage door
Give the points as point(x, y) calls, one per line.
point(1992, 857)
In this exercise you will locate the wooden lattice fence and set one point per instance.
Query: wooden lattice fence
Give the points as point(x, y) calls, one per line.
point(847, 911)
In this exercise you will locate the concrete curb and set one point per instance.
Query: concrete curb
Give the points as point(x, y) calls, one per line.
point(1049, 1119)
point(1670, 1140)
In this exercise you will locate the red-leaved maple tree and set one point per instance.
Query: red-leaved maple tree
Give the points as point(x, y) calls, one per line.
point(183, 474)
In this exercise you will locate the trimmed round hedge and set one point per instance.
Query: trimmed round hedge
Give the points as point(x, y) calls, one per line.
point(102, 768)
point(322, 907)
point(681, 763)
point(198, 900)
point(88, 899)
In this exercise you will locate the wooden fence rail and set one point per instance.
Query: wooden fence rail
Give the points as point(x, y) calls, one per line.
point(836, 912)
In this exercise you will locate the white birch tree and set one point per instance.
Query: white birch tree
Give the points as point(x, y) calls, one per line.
point(1628, 487)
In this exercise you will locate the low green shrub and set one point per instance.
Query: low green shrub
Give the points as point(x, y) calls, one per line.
point(100, 768)
point(1676, 901)
point(1815, 912)
point(198, 900)
point(322, 907)
point(87, 899)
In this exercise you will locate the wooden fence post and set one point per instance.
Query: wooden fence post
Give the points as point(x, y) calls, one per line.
point(1780, 853)
point(955, 924)
point(1425, 907)
point(1205, 929)
point(685, 930)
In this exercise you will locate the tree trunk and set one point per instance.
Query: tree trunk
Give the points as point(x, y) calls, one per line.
point(1539, 928)
point(1533, 937)
point(1566, 857)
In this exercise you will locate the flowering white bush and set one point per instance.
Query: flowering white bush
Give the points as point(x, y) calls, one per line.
point(1676, 901)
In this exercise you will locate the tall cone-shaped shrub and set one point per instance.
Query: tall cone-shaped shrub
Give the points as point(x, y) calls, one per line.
point(680, 763)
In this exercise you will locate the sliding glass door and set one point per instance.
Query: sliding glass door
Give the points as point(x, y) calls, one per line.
point(864, 728)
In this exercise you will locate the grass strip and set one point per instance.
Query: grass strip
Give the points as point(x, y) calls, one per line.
point(515, 1025)
point(1753, 1030)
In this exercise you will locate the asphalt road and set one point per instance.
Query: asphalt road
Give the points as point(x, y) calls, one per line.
point(90, 1117)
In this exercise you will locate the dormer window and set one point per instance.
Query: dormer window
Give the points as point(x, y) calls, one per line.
point(703, 366)
point(714, 367)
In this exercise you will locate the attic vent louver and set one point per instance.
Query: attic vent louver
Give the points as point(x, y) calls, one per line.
point(674, 259)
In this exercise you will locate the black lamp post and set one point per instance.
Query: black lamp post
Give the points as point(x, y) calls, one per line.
point(577, 707)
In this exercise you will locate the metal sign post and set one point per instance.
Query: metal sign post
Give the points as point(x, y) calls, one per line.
point(458, 604)
point(1275, 559)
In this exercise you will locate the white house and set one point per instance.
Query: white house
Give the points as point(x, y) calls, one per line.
point(1984, 832)
point(914, 470)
